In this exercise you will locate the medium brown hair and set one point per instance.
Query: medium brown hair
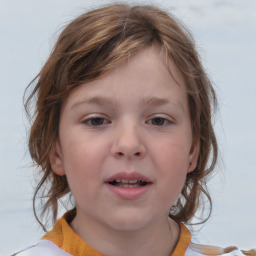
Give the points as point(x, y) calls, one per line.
point(90, 47)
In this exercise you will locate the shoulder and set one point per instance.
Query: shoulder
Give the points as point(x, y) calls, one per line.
point(201, 250)
point(42, 248)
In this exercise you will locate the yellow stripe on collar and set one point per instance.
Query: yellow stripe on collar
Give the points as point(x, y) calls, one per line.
point(66, 239)
point(183, 243)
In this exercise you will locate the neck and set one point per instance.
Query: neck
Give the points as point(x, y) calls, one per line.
point(159, 238)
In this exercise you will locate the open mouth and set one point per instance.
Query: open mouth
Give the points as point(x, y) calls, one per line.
point(128, 183)
point(128, 186)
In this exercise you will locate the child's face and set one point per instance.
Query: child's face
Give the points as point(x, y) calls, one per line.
point(134, 125)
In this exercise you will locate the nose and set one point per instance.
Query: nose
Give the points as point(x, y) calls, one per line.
point(128, 143)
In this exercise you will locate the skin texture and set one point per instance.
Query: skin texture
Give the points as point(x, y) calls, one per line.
point(134, 121)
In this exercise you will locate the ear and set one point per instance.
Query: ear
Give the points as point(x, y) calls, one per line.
point(56, 160)
point(193, 156)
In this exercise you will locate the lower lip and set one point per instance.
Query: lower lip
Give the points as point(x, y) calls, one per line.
point(129, 193)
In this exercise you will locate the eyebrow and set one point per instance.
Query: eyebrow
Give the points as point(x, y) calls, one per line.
point(155, 101)
point(150, 101)
point(95, 100)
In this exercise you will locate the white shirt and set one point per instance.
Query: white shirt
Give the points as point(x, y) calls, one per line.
point(48, 248)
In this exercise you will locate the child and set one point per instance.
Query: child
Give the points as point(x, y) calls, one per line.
point(123, 124)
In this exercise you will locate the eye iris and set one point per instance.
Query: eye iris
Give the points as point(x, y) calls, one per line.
point(97, 121)
point(158, 121)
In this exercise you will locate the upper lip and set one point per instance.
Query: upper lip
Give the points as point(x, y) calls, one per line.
point(128, 176)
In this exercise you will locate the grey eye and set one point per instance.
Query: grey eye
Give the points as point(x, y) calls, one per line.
point(96, 121)
point(158, 121)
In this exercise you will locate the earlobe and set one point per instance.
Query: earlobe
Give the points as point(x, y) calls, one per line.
point(193, 157)
point(56, 160)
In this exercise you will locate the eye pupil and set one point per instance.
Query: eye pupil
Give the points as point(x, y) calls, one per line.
point(97, 121)
point(158, 121)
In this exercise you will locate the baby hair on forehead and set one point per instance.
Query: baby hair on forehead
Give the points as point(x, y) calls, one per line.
point(90, 47)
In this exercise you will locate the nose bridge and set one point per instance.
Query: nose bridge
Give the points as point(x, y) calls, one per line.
point(128, 139)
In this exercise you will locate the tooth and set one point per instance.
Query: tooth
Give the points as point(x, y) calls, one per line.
point(118, 180)
point(133, 181)
point(124, 181)
point(134, 186)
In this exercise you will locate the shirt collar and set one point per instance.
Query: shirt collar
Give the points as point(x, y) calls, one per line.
point(65, 238)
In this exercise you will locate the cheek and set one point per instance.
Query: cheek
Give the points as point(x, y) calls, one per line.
point(82, 163)
point(173, 169)
point(171, 161)
point(82, 151)
point(173, 156)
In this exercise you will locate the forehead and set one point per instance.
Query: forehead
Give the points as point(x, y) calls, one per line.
point(148, 74)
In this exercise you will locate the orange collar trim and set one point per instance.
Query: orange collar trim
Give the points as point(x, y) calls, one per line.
point(184, 241)
point(66, 239)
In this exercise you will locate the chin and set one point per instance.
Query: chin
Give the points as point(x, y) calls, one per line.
point(128, 221)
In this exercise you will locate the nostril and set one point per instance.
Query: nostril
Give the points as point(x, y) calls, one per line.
point(122, 154)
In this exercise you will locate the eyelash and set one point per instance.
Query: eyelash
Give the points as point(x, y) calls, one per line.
point(89, 121)
point(164, 121)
